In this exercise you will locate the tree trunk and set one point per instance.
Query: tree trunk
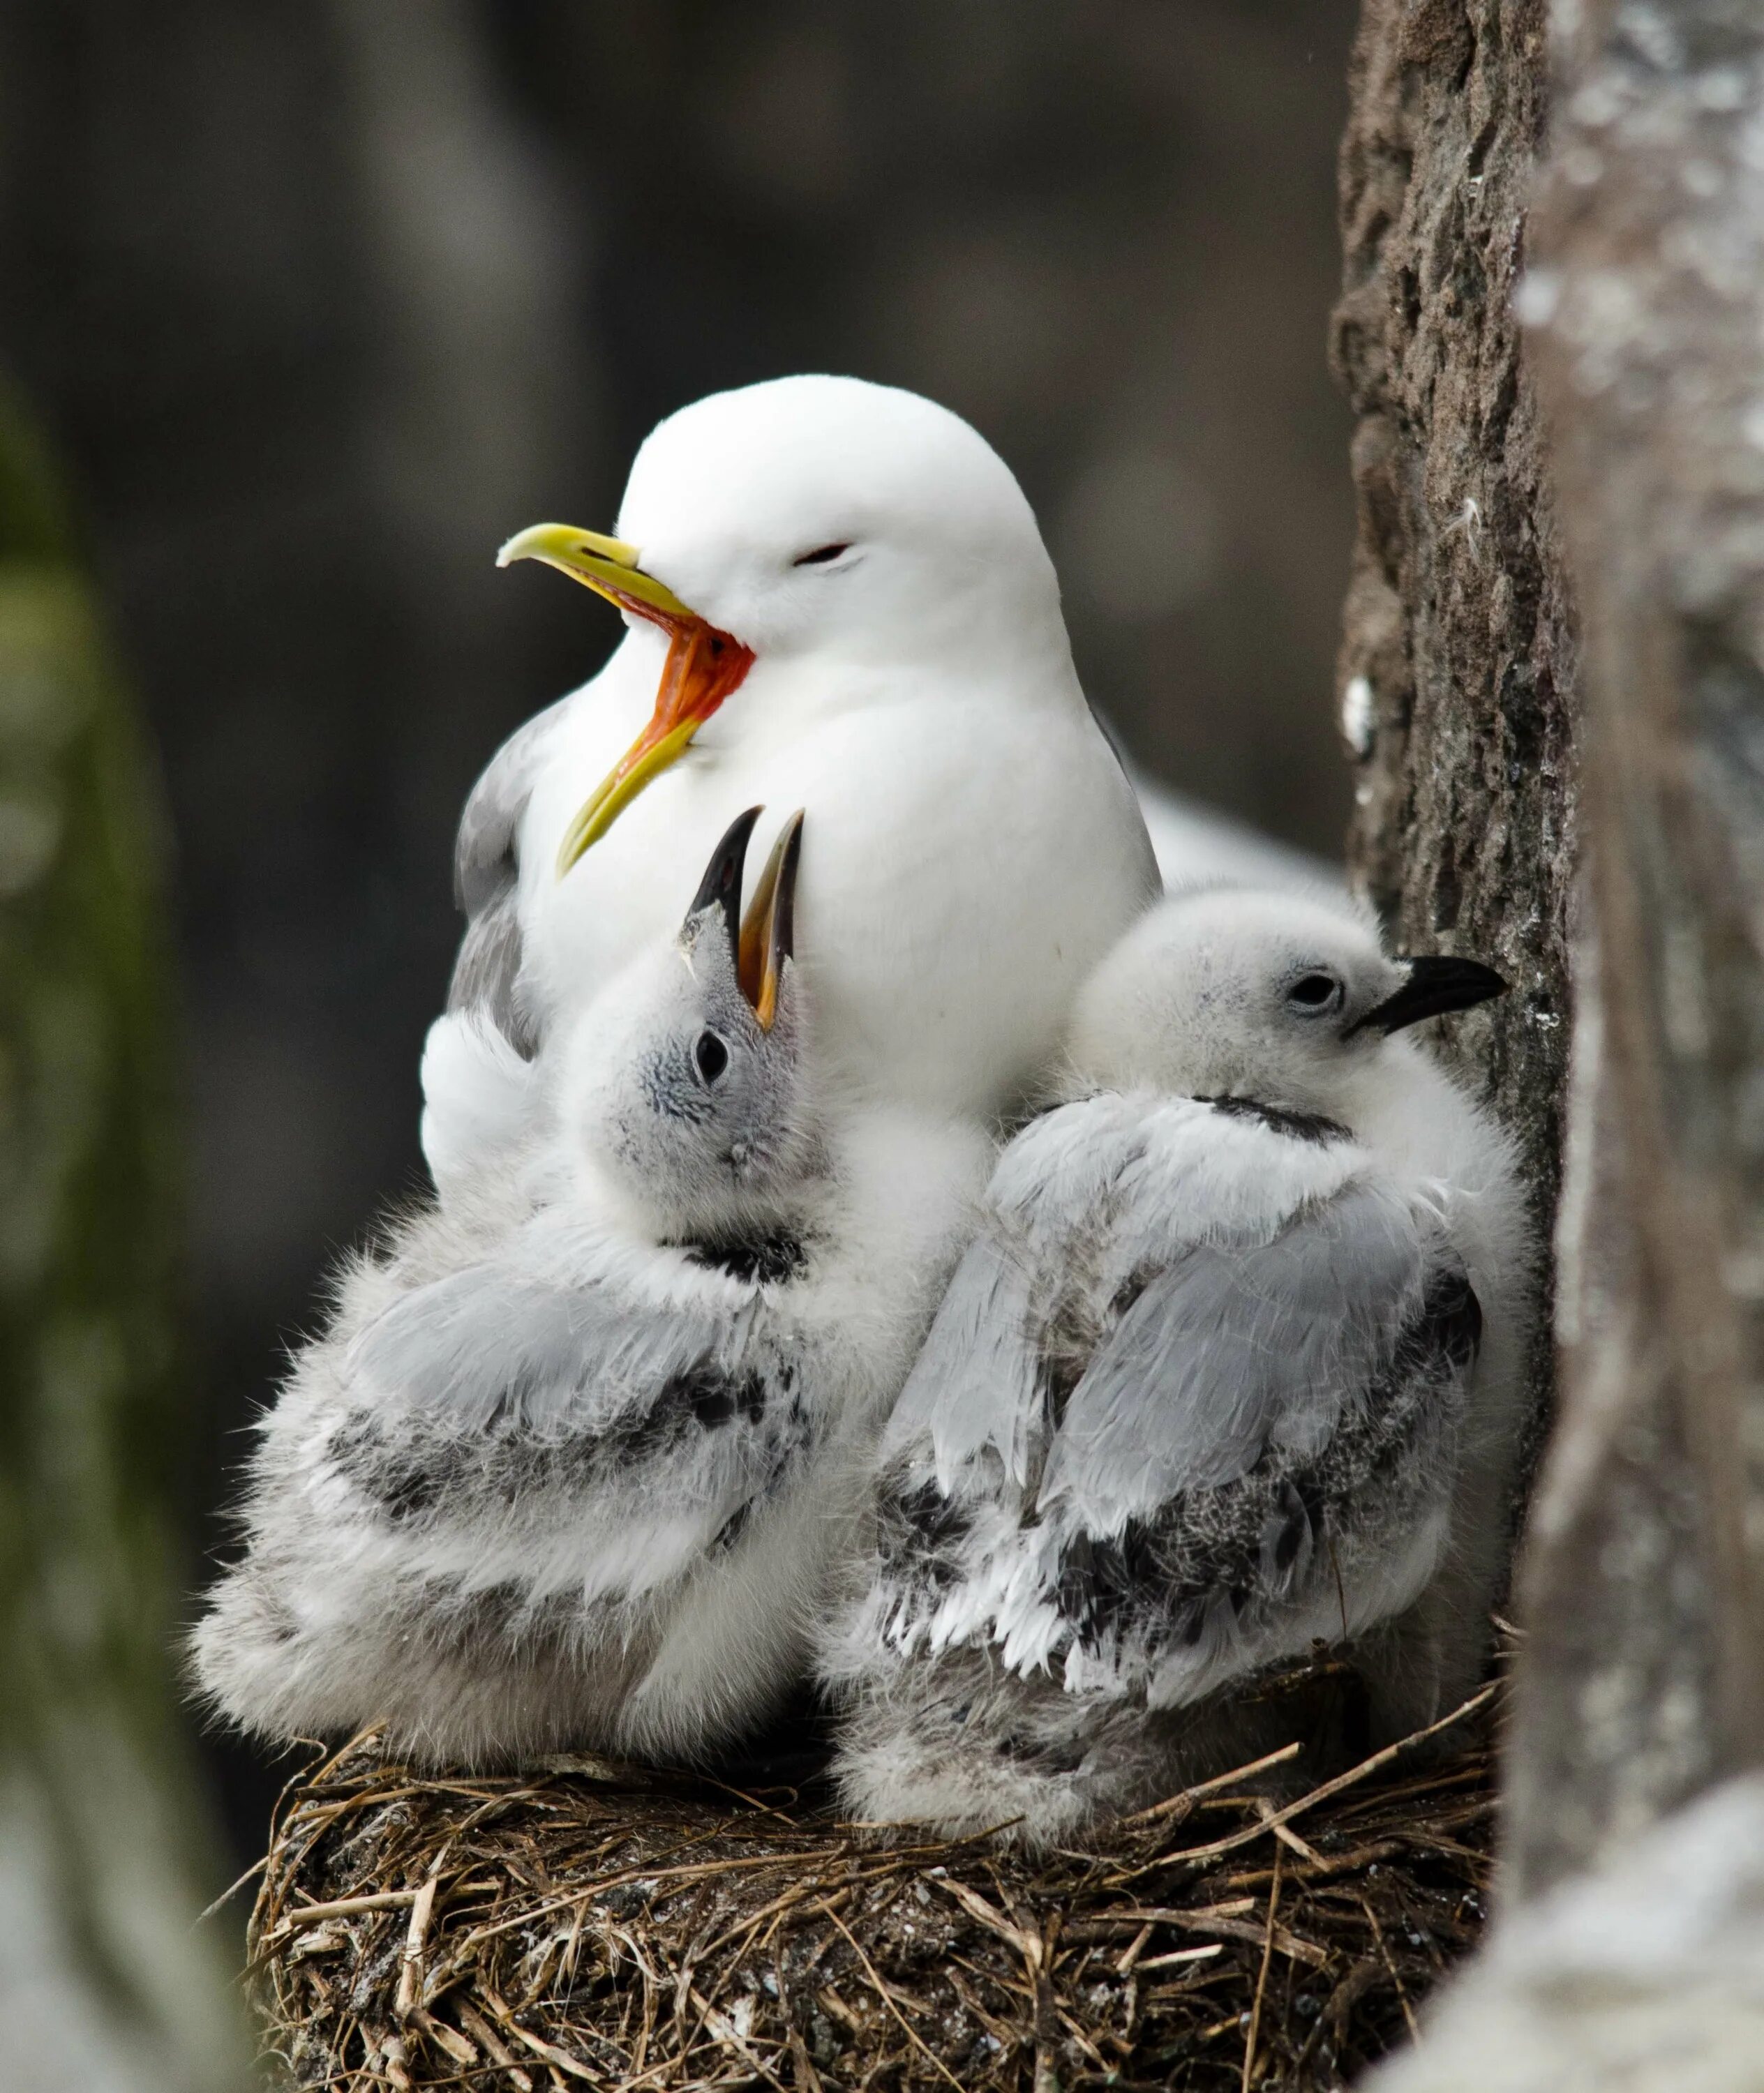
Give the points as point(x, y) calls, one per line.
point(1457, 679)
point(1628, 1956)
point(103, 1987)
point(1456, 664)
point(1647, 293)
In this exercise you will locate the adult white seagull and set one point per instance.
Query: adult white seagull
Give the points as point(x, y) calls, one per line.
point(837, 598)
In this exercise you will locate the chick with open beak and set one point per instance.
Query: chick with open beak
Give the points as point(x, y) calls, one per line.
point(572, 1464)
point(686, 1089)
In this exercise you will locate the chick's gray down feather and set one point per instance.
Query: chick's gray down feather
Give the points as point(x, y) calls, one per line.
point(1220, 1379)
point(1158, 1451)
point(572, 1460)
point(541, 1483)
point(1172, 1409)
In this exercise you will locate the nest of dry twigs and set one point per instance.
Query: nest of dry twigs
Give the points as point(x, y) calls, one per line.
point(582, 1924)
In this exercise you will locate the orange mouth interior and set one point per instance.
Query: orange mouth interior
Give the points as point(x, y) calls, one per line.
point(702, 666)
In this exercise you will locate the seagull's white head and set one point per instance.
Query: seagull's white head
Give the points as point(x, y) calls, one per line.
point(684, 1083)
point(805, 518)
point(827, 515)
point(1234, 992)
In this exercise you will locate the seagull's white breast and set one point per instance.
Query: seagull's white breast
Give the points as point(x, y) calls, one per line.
point(971, 849)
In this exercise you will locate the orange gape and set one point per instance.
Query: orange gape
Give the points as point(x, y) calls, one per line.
point(704, 665)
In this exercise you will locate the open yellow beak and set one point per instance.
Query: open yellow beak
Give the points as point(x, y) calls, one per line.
point(704, 665)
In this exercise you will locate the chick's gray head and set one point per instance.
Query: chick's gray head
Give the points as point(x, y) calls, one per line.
point(685, 1085)
point(1234, 992)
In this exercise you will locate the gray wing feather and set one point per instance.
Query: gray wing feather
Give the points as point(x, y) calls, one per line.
point(1235, 1347)
point(1260, 1365)
point(486, 875)
point(978, 1381)
point(486, 1345)
point(974, 1383)
point(488, 968)
point(488, 1398)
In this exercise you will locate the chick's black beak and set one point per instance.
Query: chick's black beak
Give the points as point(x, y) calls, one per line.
point(1436, 985)
point(721, 886)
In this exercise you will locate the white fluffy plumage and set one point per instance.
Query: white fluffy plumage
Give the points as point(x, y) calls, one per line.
point(571, 1462)
point(1230, 1369)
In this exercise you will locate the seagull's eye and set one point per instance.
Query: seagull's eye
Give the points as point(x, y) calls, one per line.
point(820, 556)
point(1314, 994)
point(710, 1056)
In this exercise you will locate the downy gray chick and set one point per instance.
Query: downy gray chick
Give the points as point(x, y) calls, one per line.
point(1230, 1369)
point(568, 1464)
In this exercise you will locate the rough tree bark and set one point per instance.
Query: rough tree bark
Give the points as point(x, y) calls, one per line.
point(1647, 297)
point(1630, 1953)
point(104, 1988)
point(1458, 674)
point(1456, 664)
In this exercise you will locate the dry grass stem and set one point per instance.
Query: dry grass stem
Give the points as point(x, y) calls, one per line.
point(1261, 1979)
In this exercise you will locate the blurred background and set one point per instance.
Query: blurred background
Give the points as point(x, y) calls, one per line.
point(316, 303)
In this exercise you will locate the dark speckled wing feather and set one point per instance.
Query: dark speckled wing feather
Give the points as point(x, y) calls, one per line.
point(1202, 1361)
point(1263, 1446)
point(498, 1399)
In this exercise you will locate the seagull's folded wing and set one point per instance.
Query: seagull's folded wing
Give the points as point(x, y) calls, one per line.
point(486, 882)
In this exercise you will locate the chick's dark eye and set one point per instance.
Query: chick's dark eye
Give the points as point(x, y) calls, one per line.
point(1314, 991)
point(820, 556)
point(710, 1056)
